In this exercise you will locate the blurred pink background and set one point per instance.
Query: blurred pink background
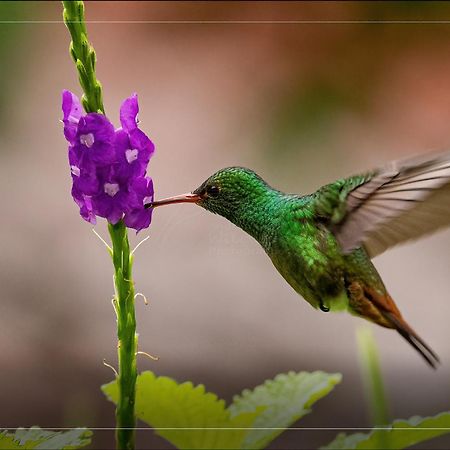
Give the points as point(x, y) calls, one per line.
point(303, 105)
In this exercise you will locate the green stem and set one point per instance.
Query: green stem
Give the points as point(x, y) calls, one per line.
point(373, 378)
point(126, 332)
point(84, 57)
point(373, 381)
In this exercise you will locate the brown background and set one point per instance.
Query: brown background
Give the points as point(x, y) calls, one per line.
point(302, 104)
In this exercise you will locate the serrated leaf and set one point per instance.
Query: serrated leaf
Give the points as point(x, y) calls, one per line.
point(7, 442)
point(401, 434)
point(37, 438)
point(287, 398)
point(72, 439)
point(186, 415)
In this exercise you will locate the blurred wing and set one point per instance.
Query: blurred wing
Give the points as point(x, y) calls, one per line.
point(400, 202)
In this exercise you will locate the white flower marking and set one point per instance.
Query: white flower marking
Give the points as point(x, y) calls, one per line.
point(87, 140)
point(131, 155)
point(111, 189)
point(75, 170)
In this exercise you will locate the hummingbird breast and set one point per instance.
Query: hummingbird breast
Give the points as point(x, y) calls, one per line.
point(308, 257)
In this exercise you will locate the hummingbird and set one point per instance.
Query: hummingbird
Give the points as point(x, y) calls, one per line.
point(322, 243)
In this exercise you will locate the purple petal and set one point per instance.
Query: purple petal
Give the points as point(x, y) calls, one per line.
point(121, 142)
point(85, 175)
point(140, 141)
point(71, 106)
point(133, 153)
point(98, 125)
point(72, 112)
point(106, 174)
point(85, 181)
point(138, 219)
point(128, 113)
point(87, 212)
point(112, 202)
point(143, 188)
point(104, 206)
point(125, 171)
point(74, 156)
point(85, 204)
point(95, 134)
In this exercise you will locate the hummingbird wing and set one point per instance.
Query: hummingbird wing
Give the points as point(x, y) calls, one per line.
point(396, 203)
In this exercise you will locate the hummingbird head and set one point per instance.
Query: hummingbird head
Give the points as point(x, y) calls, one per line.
point(230, 190)
point(242, 197)
point(236, 193)
point(224, 190)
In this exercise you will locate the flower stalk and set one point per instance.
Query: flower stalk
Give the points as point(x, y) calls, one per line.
point(84, 57)
point(83, 54)
point(126, 332)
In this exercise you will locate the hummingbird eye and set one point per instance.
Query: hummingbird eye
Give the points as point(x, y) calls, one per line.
point(212, 191)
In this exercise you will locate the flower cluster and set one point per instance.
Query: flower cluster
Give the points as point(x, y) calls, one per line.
point(109, 166)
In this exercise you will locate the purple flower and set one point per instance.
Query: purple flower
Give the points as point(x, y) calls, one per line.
point(129, 112)
point(112, 200)
point(133, 148)
point(94, 139)
point(84, 175)
point(71, 114)
point(133, 152)
point(138, 217)
point(85, 204)
point(108, 166)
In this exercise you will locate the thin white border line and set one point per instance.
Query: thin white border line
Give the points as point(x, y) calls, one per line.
point(237, 22)
point(238, 428)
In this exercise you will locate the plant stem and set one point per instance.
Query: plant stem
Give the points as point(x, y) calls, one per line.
point(373, 379)
point(126, 332)
point(84, 57)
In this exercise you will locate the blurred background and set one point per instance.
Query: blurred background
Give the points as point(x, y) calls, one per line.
point(301, 104)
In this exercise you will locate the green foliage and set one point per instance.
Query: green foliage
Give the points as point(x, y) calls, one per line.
point(287, 398)
point(36, 438)
point(189, 417)
point(182, 413)
point(401, 434)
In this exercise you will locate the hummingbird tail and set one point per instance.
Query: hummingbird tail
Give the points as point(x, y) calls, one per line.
point(414, 339)
point(381, 309)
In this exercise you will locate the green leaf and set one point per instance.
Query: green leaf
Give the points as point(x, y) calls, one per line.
point(287, 398)
point(7, 442)
point(36, 438)
point(186, 415)
point(401, 434)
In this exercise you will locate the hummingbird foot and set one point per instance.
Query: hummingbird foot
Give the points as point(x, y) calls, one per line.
point(323, 307)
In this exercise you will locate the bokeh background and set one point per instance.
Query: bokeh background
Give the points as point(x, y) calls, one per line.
point(302, 104)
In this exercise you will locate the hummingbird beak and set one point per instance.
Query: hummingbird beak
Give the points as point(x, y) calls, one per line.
point(184, 198)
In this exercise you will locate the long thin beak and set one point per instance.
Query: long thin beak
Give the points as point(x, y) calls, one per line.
point(184, 198)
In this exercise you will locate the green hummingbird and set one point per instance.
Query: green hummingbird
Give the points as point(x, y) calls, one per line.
point(323, 243)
